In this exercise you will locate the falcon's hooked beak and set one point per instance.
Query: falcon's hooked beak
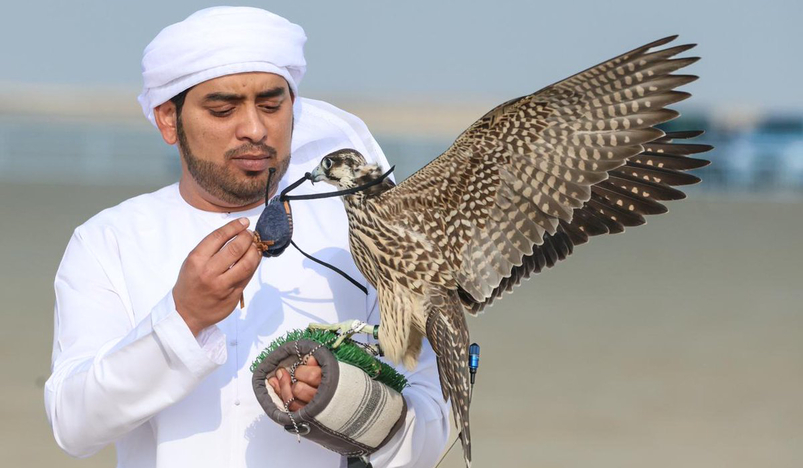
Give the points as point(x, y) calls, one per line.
point(321, 171)
point(317, 174)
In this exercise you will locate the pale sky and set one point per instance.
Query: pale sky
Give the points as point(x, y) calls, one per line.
point(450, 50)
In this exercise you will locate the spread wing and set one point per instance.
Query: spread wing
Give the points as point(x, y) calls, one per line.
point(539, 174)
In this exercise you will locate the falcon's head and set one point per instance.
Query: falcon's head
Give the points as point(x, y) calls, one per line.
point(345, 169)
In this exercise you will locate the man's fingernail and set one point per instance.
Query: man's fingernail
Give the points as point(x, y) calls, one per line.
point(243, 221)
point(279, 373)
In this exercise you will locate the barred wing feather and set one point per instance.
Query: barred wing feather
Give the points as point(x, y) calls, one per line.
point(542, 173)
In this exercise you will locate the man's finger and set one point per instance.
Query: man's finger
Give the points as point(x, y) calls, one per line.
point(230, 253)
point(212, 243)
point(284, 385)
point(241, 272)
point(303, 392)
point(309, 374)
point(296, 405)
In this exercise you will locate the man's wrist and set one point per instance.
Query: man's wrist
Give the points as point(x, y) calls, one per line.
point(192, 323)
point(201, 353)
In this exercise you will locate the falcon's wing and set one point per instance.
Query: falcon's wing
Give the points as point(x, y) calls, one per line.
point(541, 173)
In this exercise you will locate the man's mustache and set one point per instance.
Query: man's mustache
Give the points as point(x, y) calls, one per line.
point(251, 148)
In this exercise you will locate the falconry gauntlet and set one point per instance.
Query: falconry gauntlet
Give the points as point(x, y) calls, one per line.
point(351, 414)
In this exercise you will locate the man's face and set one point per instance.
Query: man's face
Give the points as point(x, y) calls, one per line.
point(231, 130)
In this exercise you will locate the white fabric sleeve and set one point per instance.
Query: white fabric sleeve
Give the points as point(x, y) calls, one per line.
point(110, 375)
point(420, 442)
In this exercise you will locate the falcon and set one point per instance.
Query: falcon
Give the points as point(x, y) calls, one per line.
point(513, 195)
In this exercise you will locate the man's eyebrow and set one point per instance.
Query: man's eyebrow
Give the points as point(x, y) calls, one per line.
point(235, 98)
point(271, 93)
point(226, 97)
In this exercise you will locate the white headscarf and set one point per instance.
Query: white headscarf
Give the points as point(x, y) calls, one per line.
point(220, 41)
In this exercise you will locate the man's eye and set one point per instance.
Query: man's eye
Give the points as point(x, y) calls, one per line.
point(221, 113)
point(270, 108)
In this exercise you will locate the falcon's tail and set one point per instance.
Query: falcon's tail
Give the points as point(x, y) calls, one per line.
point(447, 332)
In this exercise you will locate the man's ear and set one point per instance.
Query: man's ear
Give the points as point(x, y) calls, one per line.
point(167, 119)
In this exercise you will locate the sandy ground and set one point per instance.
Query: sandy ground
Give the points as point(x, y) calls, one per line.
point(675, 344)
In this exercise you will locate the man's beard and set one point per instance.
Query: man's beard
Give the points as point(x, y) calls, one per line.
point(223, 183)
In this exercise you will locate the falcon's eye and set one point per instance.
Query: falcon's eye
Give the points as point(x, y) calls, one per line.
point(326, 163)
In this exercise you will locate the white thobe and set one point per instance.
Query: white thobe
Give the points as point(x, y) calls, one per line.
point(126, 368)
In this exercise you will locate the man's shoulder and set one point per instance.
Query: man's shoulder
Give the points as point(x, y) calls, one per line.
point(326, 110)
point(322, 120)
point(131, 211)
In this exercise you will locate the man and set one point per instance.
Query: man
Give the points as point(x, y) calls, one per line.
point(151, 348)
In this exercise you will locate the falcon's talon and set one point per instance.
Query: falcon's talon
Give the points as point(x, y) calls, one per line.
point(339, 341)
point(376, 350)
point(345, 329)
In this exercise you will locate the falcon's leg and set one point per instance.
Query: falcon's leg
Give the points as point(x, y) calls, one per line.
point(413, 350)
point(347, 329)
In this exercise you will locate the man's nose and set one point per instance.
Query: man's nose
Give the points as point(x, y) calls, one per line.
point(251, 127)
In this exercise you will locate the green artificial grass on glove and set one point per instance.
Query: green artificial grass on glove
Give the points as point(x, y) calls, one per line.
point(349, 352)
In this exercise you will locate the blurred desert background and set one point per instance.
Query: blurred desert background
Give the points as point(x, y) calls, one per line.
point(679, 343)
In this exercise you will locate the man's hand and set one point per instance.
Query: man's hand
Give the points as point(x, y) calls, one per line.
point(308, 378)
point(214, 275)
